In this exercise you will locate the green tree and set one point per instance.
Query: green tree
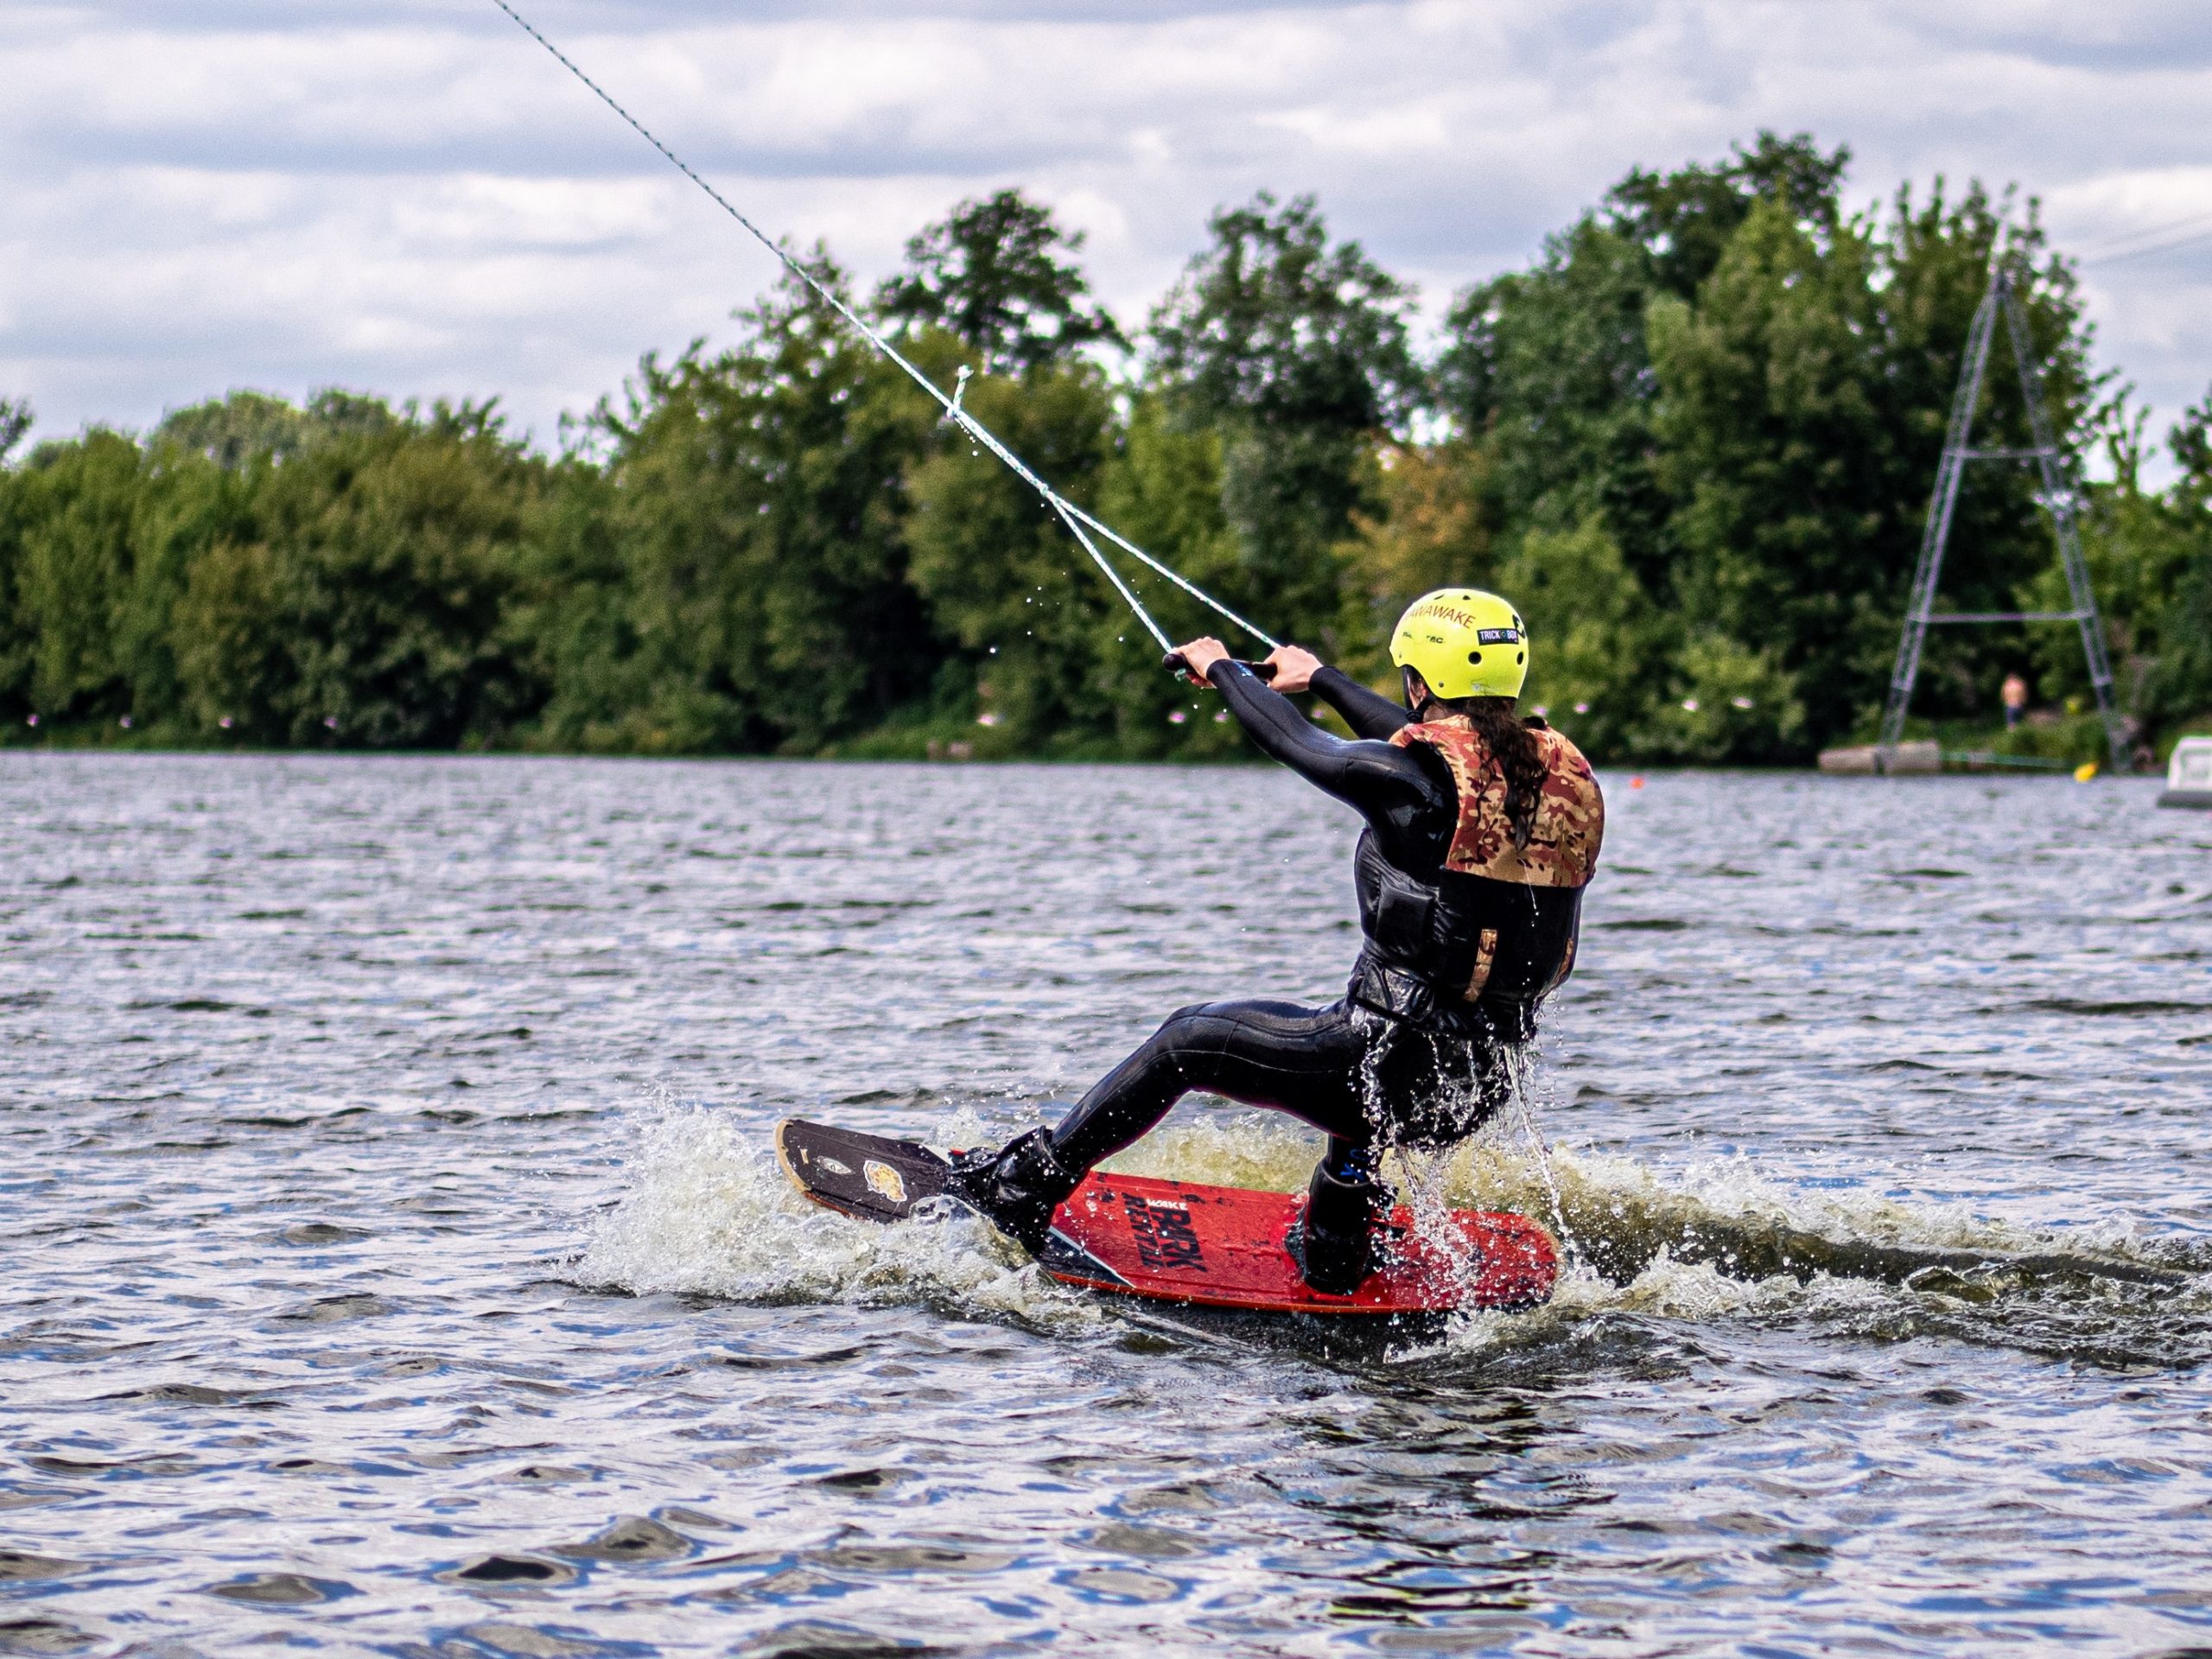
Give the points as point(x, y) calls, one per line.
point(16, 644)
point(186, 506)
point(1162, 488)
point(368, 609)
point(1694, 441)
point(1802, 402)
point(1431, 527)
point(95, 536)
point(1295, 350)
point(1550, 369)
point(16, 421)
point(2176, 690)
point(1684, 220)
point(1770, 423)
point(1936, 256)
point(2150, 559)
point(242, 427)
point(576, 621)
point(993, 275)
point(1598, 649)
point(1000, 571)
point(757, 506)
point(75, 502)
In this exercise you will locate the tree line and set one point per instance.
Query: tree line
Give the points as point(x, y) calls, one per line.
point(1693, 440)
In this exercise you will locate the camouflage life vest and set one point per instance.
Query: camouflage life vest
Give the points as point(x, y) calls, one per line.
point(1562, 850)
point(1493, 929)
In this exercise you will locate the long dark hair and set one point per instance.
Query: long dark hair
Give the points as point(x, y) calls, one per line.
point(1519, 756)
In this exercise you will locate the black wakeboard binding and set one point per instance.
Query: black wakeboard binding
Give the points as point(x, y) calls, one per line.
point(1336, 1243)
point(1015, 1188)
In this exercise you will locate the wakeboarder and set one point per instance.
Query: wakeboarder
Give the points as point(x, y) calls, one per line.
point(1483, 829)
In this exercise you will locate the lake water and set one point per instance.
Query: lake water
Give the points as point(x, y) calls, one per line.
point(394, 1262)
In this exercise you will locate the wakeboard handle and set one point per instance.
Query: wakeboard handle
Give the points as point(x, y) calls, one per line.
point(1173, 662)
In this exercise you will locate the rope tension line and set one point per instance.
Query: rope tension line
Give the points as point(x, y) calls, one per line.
point(1078, 522)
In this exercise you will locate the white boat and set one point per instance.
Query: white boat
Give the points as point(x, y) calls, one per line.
point(2188, 774)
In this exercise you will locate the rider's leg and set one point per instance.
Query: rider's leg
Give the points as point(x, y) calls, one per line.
point(1304, 1061)
point(1301, 1060)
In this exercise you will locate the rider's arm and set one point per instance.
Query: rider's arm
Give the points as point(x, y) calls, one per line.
point(1368, 712)
point(1411, 806)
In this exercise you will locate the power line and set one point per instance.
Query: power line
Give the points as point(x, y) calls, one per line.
point(2123, 244)
point(2113, 240)
point(2202, 230)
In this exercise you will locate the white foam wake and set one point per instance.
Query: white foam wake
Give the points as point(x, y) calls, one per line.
point(706, 1213)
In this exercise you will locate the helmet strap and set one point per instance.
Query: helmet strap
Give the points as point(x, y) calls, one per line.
point(1417, 707)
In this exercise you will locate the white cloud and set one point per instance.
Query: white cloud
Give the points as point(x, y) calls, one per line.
point(412, 198)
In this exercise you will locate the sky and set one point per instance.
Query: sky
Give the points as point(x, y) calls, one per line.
point(411, 198)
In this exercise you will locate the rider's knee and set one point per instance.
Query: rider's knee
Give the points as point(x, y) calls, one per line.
point(1185, 1021)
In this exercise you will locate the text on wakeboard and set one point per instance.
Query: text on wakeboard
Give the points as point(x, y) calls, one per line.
point(1163, 1234)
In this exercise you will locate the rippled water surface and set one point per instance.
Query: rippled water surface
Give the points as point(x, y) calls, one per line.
point(393, 1261)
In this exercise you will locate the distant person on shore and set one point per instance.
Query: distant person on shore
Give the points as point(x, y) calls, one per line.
point(1483, 829)
point(2015, 697)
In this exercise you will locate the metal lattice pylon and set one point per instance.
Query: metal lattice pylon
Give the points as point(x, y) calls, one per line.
point(2058, 497)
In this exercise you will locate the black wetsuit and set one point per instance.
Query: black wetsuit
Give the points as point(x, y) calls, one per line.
point(1432, 1073)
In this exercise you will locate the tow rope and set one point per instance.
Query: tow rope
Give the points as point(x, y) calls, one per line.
point(1079, 523)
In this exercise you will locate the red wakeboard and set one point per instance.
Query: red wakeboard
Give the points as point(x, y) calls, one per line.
point(1188, 1241)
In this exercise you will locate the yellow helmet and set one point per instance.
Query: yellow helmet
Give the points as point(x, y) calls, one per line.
point(1465, 643)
